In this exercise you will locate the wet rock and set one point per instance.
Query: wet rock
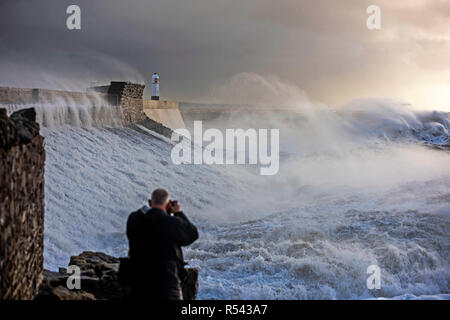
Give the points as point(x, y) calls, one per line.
point(99, 280)
point(22, 164)
point(54, 287)
point(26, 125)
point(21, 127)
point(62, 293)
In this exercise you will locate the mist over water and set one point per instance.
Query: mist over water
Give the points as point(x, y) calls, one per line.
point(367, 183)
point(65, 111)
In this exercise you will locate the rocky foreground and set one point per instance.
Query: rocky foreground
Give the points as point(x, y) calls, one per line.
point(99, 280)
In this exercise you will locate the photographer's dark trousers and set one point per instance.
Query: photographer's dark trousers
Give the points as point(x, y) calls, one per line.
point(157, 284)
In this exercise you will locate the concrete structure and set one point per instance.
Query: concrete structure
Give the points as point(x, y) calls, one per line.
point(134, 108)
point(119, 93)
point(165, 112)
point(129, 96)
point(30, 96)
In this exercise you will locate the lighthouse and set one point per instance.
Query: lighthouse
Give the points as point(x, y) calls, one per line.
point(155, 86)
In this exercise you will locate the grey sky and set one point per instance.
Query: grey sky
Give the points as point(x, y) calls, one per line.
point(321, 46)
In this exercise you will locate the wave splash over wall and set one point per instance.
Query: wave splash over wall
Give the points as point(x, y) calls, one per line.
point(364, 184)
point(53, 115)
point(312, 125)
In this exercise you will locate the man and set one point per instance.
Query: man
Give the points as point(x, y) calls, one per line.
point(156, 236)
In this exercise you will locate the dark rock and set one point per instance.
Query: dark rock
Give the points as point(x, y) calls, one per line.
point(49, 293)
point(55, 278)
point(29, 114)
point(8, 132)
point(20, 128)
point(99, 277)
point(62, 270)
point(26, 125)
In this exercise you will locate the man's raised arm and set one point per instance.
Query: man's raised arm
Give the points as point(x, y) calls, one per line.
point(184, 232)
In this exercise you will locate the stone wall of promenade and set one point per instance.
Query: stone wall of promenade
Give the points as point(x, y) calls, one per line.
point(22, 158)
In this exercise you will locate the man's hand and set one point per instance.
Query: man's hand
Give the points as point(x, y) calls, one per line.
point(175, 206)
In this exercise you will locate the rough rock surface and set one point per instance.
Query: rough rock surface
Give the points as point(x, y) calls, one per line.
point(99, 280)
point(18, 129)
point(130, 98)
point(22, 159)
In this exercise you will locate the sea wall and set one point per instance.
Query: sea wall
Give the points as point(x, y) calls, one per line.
point(22, 158)
point(165, 112)
point(129, 96)
point(16, 95)
point(30, 96)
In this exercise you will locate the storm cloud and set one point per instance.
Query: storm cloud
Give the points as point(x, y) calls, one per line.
point(321, 46)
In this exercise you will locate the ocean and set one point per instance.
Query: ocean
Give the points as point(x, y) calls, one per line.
point(366, 184)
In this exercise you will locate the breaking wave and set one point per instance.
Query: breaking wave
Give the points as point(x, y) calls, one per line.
point(53, 115)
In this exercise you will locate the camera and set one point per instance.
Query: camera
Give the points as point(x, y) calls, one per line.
point(169, 206)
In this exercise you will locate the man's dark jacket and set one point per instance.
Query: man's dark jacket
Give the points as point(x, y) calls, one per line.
point(155, 239)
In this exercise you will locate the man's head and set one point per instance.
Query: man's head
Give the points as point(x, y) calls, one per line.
point(160, 198)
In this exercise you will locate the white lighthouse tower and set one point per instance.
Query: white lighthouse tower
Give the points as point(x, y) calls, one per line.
point(155, 86)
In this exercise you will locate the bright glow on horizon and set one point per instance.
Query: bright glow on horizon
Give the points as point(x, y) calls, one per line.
point(432, 98)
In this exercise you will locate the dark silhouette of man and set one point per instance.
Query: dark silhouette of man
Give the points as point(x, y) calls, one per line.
point(156, 236)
